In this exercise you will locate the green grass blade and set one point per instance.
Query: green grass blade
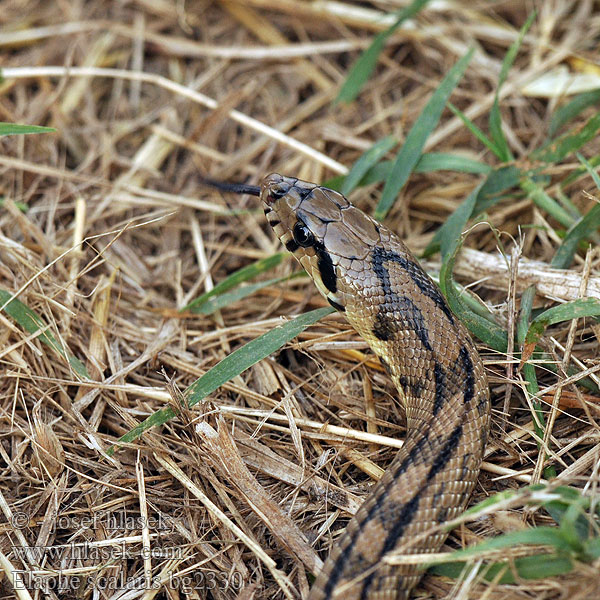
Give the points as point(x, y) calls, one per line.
point(540, 566)
point(231, 366)
point(569, 497)
point(364, 66)
point(570, 110)
point(574, 525)
point(567, 203)
point(582, 230)
point(485, 329)
point(535, 536)
point(528, 369)
point(496, 182)
point(576, 537)
point(30, 321)
point(582, 307)
point(428, 163)
point(20, 205)
point(478, 133)
point(371, 157)
point(541, 199)
point(569, 143)
point(528, 353)
point(592, 548)
point(499, 181)
point(14, 129)
point(445, 161)
point(456, 222)
point(590, 169)
point(251, 353)
point(573, 539)
point(241, 275)
point(577, 173)
point(223, 300)
point(411, 151)
point(495, 120)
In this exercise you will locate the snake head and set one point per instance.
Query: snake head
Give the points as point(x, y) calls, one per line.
point(330, 238)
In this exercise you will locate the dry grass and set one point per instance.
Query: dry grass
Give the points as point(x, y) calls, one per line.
point(118, 235)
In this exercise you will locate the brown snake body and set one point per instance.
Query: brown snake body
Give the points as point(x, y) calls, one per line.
point(365, 271)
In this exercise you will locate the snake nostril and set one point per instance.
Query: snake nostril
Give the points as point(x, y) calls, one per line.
point(279, 190)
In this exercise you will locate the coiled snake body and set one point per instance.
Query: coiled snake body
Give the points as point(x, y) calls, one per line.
point(364, 270)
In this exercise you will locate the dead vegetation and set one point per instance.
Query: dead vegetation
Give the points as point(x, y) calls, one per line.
point(105, 233)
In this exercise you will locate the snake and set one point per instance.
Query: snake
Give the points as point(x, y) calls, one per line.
point(367, 273)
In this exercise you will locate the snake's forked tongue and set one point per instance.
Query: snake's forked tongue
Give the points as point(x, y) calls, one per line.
point(234, 188)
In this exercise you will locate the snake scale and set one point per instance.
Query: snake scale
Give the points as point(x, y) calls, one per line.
point(366, 272)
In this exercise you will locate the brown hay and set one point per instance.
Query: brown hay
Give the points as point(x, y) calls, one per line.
point(118, 236)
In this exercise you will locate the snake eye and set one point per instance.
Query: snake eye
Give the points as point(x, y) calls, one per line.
point(303, 235)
